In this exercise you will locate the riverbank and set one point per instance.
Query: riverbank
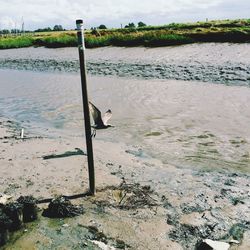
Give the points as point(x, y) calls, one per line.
point(185, 206)
point(235, 31)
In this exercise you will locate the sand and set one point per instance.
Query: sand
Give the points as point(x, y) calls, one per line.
point(188, 205)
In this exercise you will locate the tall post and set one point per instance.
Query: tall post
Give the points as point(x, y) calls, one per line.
point(81, 49)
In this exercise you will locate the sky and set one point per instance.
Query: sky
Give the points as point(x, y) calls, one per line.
point(114, 13)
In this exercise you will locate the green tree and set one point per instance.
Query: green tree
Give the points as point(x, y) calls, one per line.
point(43, 29)
point(141, 24)
point(5, 31)
point(102, 26)
point(58, 27)
point(130, 25)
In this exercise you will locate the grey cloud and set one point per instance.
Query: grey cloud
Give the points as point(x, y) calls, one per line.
point(42, 13)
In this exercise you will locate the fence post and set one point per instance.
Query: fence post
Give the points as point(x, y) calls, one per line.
point(81, 49)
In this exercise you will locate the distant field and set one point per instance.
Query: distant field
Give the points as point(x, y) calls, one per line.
point(236, 31)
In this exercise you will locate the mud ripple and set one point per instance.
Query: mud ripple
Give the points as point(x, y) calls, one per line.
point(229, 74)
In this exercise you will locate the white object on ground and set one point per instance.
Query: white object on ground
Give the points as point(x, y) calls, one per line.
point(217, 245)
point(22, 133)
point(102, 245)
point(4, 198)
point(234, 242)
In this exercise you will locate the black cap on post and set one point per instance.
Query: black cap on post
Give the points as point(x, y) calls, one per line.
point(80, 36)
point(79, 23)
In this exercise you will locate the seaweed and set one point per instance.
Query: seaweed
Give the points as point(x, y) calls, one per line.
point(61, 207)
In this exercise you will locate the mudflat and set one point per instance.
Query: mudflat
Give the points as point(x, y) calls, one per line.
point(173, 170)
point(141, 203)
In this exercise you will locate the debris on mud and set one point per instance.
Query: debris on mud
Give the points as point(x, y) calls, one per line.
point(111, 243)
point(97, 235)
point(61, 207)
point(187, 235)
point(190, 236)
point(128, 196)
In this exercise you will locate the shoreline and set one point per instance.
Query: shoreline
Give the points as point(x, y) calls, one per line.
point(191, 204)
point(236, 31)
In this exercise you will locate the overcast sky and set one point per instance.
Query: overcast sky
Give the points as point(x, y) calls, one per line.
point(113, 13)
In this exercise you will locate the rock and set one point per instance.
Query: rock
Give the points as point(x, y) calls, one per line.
point(212, 244)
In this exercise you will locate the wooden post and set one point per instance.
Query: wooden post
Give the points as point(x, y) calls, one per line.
point(81, 49)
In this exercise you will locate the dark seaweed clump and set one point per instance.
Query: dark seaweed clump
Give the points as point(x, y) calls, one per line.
point(61, 207)
point(5, 224)
point(14, 214)
point(30, 208)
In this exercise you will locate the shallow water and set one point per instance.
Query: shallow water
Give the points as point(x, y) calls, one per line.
point(186, 123)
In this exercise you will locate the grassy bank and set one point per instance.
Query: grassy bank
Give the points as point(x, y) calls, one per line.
point(16, 42)
point(236, 31)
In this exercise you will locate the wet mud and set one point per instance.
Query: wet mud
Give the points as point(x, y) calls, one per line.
point(230, 73)
point(175, 207)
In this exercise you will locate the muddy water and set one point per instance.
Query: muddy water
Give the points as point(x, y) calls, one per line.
point(186, 123)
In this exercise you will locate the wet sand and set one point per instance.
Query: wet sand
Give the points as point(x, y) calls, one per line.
point(190, 204)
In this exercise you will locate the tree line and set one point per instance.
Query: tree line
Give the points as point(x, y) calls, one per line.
point(129, 25)
point(59, 27)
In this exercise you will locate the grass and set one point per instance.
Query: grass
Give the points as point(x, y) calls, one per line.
point(100, 41)
point(15, 42)
point(236, 31)
point(62, 40)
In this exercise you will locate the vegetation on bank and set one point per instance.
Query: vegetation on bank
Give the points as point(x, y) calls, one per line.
point(15, 42)
point(237, 31)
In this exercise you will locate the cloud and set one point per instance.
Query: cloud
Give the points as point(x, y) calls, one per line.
point(42, 13)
